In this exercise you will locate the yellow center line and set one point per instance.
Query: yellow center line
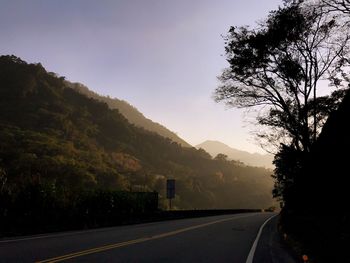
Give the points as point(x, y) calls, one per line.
point(135, 241)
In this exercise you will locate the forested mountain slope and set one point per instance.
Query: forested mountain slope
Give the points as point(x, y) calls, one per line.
point(55, 136)
point(132, 114)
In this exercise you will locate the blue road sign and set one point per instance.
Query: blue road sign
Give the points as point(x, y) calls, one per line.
point(170, 188)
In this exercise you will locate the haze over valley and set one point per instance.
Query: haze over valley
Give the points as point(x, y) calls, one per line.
point(255, 159)
point(75, 142)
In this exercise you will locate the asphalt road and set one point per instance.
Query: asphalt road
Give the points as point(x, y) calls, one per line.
point(226, 238)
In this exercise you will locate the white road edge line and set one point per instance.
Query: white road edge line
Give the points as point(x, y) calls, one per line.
point(255, 244)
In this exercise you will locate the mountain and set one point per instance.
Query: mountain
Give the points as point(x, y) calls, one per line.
point(68, 143)
point(132, 114)
point(254, 159)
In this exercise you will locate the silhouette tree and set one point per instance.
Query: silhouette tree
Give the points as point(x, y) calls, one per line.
point(337, 5)
point(279, 66)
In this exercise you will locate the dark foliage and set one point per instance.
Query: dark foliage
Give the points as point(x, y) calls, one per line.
point(277, 67)
point(317, 212)
point(38, 209)
point(130, 113)
point(53, 137)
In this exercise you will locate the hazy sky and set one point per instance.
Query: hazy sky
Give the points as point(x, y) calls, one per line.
point(162, 56)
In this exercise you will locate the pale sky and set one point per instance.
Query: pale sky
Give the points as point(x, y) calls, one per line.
point(162, 56)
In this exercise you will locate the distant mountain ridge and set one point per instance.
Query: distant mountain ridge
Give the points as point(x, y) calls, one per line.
point(254, 159)
point(59, 144)
point(132, 114)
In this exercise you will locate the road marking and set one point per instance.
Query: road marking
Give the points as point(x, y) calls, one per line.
point(253, 248)
point(135, 241)
point(53, 235)
point(71, 233)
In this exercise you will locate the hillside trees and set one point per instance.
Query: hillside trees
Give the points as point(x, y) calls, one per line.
point(337, 5)
point(54, 137)
point(278, 68)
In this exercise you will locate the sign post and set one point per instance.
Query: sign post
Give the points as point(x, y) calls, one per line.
point(170, 190)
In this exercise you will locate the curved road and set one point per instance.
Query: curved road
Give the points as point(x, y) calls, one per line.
point(226, 238)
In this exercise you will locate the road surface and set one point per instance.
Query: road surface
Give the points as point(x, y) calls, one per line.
point(226, 238)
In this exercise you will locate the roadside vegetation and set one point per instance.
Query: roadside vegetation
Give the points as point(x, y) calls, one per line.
point(62, 152)
point(280, 69)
